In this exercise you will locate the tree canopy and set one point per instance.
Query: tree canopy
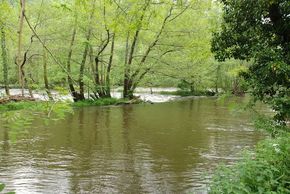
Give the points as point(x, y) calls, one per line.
point(259, 31)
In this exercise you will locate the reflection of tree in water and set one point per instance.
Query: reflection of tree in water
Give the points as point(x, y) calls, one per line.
point(83, 163)
point(68, 131)
point(6, 140)
point(132, 177)
point(108, 129)
point(126, 114)
point(4, 154)
point(130, 148)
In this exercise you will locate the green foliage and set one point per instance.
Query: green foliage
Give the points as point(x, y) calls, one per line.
point(265, 171)
point(20, 115)
point(182, 51)
point(2, 187)
point(101, 102)
point(98, 102)
point(259, 31)
point(273, 127)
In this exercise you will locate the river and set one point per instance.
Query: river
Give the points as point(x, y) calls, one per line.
point(168, 147)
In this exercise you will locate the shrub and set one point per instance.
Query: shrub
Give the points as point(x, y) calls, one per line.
point(98, 102)
point(266, 171)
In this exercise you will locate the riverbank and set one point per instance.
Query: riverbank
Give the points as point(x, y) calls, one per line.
point(266, 170)
point(28, 102)
point(150, 95)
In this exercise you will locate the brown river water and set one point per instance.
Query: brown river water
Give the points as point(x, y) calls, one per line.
point(161, 148)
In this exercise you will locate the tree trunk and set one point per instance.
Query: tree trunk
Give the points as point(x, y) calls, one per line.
point(108, 81)
point(4, 60)
point(69, 78)
point(84, 58)
point(45, 79)
point(217, 79)
point(126, 73)
point(82, 68)
point(100, 72)
point(26, 83)
point(130, 82)
point(192, 89)
point(127, 93)
point(18, 57)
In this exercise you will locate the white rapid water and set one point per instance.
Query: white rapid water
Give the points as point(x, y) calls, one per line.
point(146, 94)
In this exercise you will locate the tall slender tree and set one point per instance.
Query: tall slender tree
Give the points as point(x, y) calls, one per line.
point(4, 58)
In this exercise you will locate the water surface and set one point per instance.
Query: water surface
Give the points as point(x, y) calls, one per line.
point(161, 148)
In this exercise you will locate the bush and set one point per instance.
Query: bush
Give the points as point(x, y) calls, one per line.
point(266, 171)
point(98, 102)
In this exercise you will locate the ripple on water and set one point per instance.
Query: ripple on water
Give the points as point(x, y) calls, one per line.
point(160, 148)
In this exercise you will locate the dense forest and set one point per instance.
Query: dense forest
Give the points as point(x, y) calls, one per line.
point(94, 46)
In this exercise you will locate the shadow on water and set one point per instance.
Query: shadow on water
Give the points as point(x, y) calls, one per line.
point(161, 148)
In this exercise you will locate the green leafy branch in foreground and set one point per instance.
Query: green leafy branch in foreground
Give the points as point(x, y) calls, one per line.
point(2, 187)
point(20, 115)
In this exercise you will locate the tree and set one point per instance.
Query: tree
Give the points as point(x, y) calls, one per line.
point(141, 43)
point(92, 46)
point(4, 8)
point(19, 61)
point(259, 31)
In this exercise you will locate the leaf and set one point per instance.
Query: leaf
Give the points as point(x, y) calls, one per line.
point(2, 186)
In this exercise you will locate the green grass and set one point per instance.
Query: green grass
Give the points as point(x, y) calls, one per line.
point(40, 105)
point(99, 102)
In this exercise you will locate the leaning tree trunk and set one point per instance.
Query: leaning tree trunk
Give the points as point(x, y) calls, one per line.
point(108, 81)
point(18, 58)
point(127, 91)
point(100, 85)
point(84, 59)
point(82, 68)
point(45, 78)
point(4, 60)
point(68, 66)
point(132, 80)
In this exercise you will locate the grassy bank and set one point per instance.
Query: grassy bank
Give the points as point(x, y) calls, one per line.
point(106, 102)
point(267, 170)
point(42, 105)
